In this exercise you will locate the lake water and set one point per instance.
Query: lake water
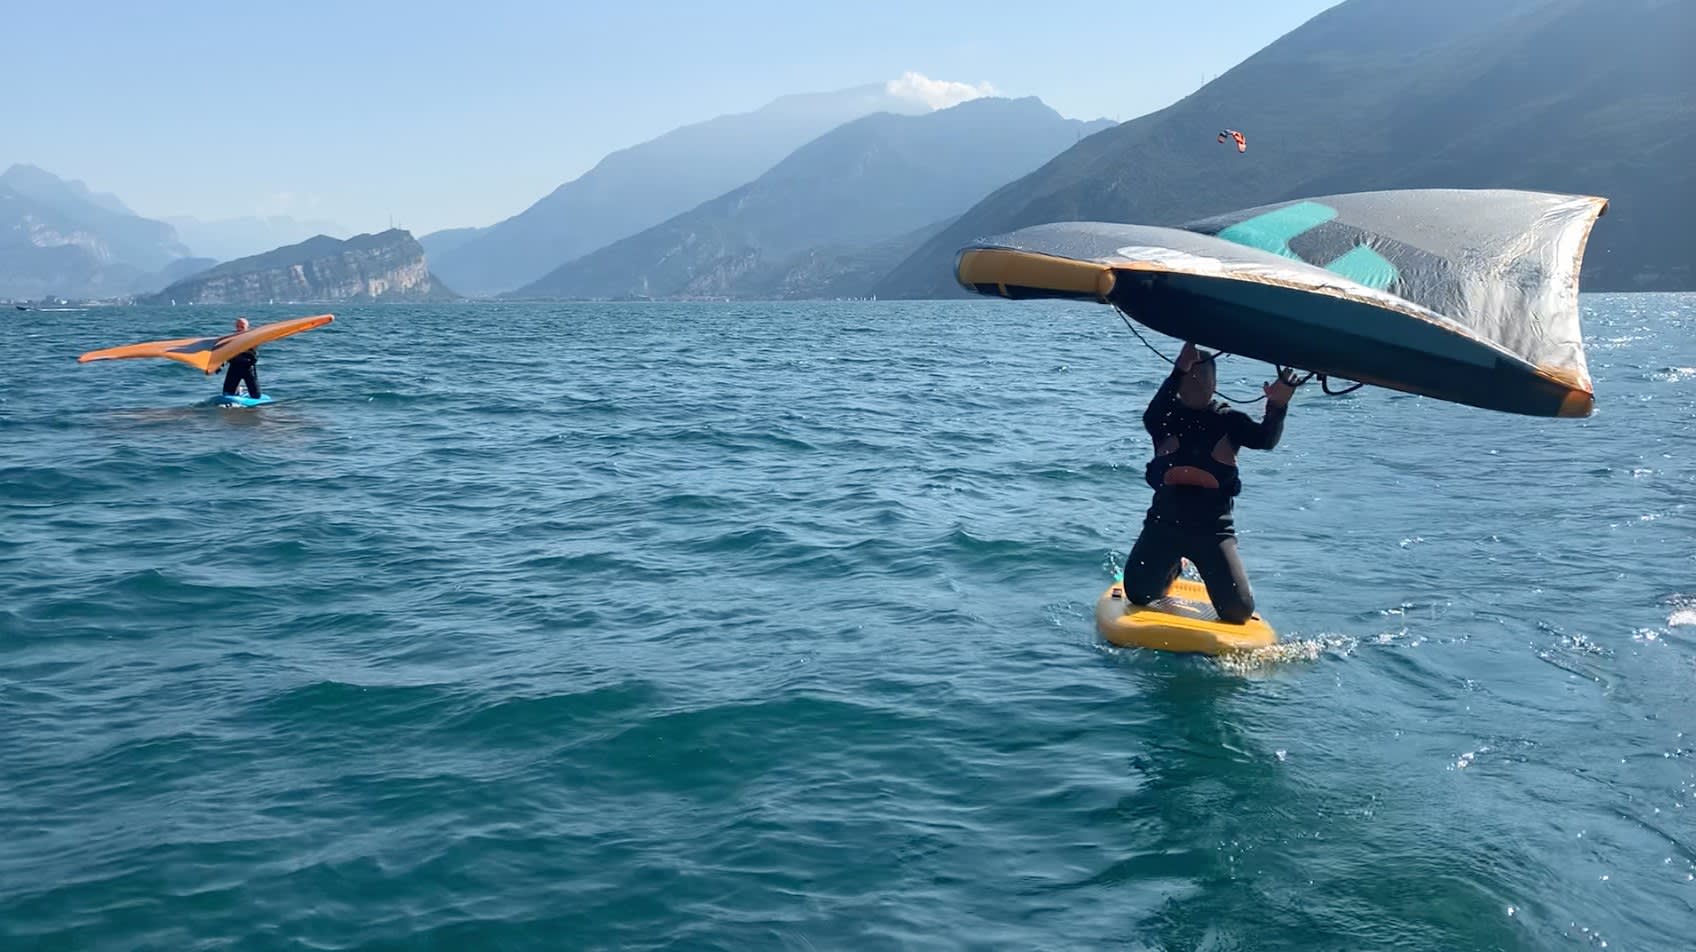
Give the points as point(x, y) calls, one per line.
point(769, 626)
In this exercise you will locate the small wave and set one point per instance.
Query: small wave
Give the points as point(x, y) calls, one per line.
point(581, 564)
point(53, 485)
point(985, 552)
point(357, 705)
point(753, 539)
point(695, 502)
point(398, 398)
point(518, 720)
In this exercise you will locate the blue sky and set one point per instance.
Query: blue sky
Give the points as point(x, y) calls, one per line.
point(443, 114)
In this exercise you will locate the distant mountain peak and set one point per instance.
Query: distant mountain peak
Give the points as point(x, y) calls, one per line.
point(833, 214)
point(640, 186)
point(57, 237)
point(38, 182)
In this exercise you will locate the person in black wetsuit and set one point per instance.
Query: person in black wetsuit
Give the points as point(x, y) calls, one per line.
point(1194, 477)
point(244, 368)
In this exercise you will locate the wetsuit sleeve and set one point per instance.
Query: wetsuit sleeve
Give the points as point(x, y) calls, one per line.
point(1162, 403)
point(1249, 433)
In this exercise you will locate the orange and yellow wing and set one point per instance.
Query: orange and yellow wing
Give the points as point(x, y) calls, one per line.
point(158, 348)
point(208, 353)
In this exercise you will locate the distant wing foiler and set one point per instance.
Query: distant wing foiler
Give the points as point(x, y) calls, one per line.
point(1468, 296)
point(209, 353)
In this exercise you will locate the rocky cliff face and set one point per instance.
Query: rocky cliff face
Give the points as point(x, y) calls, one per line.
point(389, 266)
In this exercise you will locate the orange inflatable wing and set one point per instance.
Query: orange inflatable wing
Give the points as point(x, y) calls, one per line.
point(158, 348)
point(208, 353)
point(226, 347)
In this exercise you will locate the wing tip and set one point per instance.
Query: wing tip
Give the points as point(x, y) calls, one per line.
point(1010, 273)
point(1576, 404)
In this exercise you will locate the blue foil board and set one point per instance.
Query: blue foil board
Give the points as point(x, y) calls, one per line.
point(237, 400)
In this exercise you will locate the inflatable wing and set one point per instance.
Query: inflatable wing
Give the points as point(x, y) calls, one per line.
point(1467, 296)
point(209, 353)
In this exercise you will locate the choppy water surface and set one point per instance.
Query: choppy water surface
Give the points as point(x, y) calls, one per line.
point(769, 626)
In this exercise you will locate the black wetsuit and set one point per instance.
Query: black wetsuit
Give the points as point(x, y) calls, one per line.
point(244, 368)
point(1194, 522)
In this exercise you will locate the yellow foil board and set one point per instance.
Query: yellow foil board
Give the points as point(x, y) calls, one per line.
point(1182, 620)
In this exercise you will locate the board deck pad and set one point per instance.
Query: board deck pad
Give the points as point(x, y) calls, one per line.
point(1181, 601)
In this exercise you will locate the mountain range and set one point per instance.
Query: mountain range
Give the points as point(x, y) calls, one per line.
point(61, 237)
point(872, 181)
point(867, 191)
point(634, 188)
point(1593, 97)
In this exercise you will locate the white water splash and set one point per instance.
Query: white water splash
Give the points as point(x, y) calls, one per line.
point(1285, 652)
point(1582, 645)
point(1465, 760)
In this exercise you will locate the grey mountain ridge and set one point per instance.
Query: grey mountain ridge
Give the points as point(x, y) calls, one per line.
point(634, 188)
point(867, 183)
point(60, 238)
point(1581, 96)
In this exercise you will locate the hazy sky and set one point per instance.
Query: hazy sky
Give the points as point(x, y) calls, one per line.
point(443, 114)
